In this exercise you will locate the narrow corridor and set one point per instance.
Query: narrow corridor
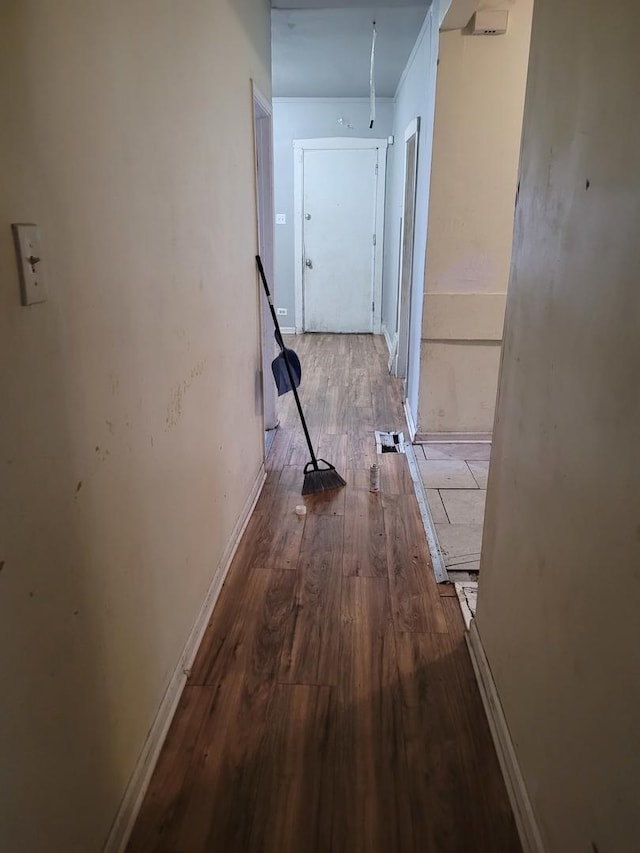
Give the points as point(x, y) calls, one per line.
point(332, 705)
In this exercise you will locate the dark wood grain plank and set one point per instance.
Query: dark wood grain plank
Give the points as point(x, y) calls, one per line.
point(298, 448)
point(295, 808)
point(457, 794)
point(167, 783)
point(311, 656)
point(279, 451)
point(276, 537)
point(331, 502)
point(386, 393)
point(415, 601)
point(361, 447)
point(359, 478)
point(291, 479)
point(365, 551)
point(358, 391)
point(220, 787)
point(395, 476)
point(447, 590)
point(220, 791)
point(336, 413)
point(334, 449)
point(439, 799)
point(250, 627)
point(382, 353)
point(371, 781)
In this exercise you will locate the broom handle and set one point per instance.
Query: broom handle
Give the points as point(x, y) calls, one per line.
point(286, 361)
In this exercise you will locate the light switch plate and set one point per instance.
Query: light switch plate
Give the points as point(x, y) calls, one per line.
point(31, 268)
point(281, 218)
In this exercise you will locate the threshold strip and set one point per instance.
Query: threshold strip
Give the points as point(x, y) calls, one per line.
point(439, 569)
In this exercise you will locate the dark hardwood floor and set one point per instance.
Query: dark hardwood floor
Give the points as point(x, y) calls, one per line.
point(332, 705)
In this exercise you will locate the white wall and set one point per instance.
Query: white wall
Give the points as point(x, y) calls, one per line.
point(559, 593)
point(127, 137)
point(415, 97)
point(310, 118)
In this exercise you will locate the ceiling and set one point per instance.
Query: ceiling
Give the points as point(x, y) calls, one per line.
point(322, 51)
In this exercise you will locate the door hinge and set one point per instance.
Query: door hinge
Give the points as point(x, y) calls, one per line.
point(376, 168)
point(374, 240)
point(373, 307)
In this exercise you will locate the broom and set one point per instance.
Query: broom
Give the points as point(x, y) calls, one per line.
point(319, 475)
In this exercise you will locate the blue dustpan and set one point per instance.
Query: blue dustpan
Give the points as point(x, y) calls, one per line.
point(280, 372)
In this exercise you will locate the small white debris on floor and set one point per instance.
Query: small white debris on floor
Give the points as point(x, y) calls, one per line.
point(467, 593)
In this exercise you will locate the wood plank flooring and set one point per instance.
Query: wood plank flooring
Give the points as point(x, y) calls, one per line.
point(332, 705)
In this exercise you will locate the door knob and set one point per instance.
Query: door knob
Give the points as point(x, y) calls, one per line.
point(308, 263)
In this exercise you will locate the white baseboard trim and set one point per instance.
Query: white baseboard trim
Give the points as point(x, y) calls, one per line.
point(289, 330)
point(141, 776)
point(528, 829)
point(392, 345)
point(411, 424)
point(385, 332)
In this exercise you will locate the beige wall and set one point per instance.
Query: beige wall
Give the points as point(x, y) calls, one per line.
point(560, 576)
point(479, 102)
point(130, 429)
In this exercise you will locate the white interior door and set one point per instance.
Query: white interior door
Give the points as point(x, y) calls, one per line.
point(338, 239)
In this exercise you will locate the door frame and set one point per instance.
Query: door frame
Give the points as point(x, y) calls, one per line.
point(265, 216)
point(404, 351)
point(332, 144)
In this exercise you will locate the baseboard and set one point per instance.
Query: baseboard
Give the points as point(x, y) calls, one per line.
point(288, 330)
point(528, 829)
point(411, 424)
point(385, 332)
point(453, 437)
point(392, 345)
point(141, 776)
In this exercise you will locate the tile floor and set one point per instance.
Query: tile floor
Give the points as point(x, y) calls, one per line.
point(455, 480)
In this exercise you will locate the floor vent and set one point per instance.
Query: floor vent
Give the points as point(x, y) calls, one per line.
point(389, 442)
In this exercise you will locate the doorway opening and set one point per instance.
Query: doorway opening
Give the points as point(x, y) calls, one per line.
point(405, 352)
point(403, 330)
point(263, 136)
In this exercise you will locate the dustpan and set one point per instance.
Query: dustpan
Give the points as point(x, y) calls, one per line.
point(281, 375)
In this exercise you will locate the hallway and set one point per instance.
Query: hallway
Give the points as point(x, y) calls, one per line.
point(332, 705)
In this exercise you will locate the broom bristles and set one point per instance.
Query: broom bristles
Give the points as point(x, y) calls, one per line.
point(321, 479)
